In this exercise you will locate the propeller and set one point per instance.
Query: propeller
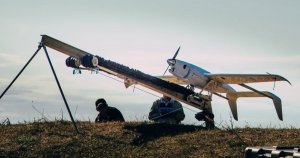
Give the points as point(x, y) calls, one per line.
point(174, 57)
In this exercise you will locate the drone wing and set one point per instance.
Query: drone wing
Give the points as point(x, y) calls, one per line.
point(245, 78)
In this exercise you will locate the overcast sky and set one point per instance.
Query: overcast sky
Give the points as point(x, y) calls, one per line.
point(219, 36)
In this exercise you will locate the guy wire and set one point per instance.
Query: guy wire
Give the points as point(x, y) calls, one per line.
point(143, 90)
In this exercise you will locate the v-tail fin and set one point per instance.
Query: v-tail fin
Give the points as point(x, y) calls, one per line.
point(232, 97)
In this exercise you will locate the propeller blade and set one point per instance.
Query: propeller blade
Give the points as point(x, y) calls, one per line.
point(165, 71)
point(176, 53)
point(173, 59)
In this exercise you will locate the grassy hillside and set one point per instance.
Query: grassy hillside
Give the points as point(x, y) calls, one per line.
point(135, 139)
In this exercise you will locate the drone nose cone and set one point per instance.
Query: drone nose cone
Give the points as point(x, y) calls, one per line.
point(171, 62)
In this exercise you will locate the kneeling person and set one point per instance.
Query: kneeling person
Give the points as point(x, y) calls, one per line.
point(107, 113)
point(166, 110)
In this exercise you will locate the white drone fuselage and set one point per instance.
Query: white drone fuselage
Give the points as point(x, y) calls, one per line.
point(194, 75)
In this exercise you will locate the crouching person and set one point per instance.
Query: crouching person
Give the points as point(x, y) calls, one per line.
point(166, 110)
point(107, 113)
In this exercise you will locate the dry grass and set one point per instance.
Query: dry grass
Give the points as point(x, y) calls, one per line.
point(135, 139)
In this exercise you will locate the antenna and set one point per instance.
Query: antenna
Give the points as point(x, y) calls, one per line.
point(274, 80)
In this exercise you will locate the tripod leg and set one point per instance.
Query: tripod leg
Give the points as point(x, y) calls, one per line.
point(12, 82)
point(60, 89)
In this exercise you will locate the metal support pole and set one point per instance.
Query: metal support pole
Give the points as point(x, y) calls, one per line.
point(62, 93)
point(12, 82)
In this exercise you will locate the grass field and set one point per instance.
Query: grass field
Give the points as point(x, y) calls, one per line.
point(135, 139)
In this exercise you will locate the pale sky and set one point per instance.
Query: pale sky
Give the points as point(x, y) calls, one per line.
point(220, 36)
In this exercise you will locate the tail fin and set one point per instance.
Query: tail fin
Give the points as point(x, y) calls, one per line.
point(232, 97)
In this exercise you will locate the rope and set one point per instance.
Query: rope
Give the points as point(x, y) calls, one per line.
point(143, 90)
point(135, 87)
point(166, 114)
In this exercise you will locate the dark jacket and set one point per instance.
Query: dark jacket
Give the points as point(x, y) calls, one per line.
point(113, 114)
